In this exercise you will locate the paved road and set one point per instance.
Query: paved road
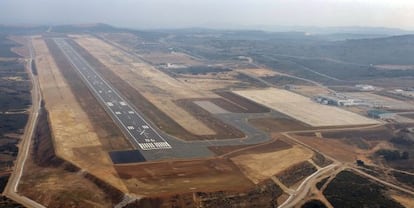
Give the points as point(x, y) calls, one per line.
point(139, 131)
point(11, 188)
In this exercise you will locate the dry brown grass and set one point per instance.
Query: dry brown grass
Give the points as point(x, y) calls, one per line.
point(70, 125)
point(395, 67)
point(278, 124)
point(156, 86)
point(259, 72)
point(406, 201)
point(260, 166)
point(310, 91)
point(183, 176)
point(208, 83)
point(173, 58)
point(341, 150)
point(56, 187)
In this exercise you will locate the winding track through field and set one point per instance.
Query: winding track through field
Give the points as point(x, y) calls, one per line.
point(11, 190)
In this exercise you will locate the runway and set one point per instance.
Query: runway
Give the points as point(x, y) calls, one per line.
point(139, 131)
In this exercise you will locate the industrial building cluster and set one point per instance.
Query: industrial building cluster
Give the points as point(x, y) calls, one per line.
point(339, 99)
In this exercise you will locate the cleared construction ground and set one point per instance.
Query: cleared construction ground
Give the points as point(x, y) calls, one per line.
point(304, 109)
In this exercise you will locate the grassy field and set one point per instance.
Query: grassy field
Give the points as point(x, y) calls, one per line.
point(76, 133)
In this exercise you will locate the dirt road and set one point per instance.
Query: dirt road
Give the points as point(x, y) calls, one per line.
point(304, 188)
point(11, 188)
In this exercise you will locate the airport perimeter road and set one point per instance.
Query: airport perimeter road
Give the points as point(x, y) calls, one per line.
point(305, 186)
point(139, 132)
point(11, 188)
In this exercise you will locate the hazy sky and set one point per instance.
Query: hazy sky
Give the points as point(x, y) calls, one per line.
point(211, 13)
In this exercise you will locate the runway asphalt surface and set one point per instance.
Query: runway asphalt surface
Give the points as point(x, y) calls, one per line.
point(149, 142)
point(139, 131)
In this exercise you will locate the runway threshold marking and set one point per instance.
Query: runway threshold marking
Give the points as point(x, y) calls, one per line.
point(150, 140)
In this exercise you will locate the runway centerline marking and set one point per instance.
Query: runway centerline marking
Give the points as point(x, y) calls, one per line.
point(113, 102)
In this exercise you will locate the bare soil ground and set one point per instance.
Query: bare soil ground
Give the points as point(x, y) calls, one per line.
point(395, 96)
point(172, 58)
point(262, 195)
point(250, 149)
point(406, 201)
point(109, 134)
point(173, 177)
point(53, 182)
point(387, 102)
point(333, 148)
point(210, 107)
point(224, 131)
point(351, 145)
point(160, 89)
point(229, 106)
point(198, 82)
point(260, 166)
point(310, 91)
point(259, 72)
point(265, 194)
point(238, 104)
point(304, 109)
point(20, 50)
point(279, 124)
point(395, 67)
point(400, 82)
point(379, 133)
point(159, 118)
point(408, 115)
point(71, 126)
point(281, 80)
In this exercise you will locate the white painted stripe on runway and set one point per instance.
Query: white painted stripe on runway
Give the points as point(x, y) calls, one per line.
point(85, 73)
